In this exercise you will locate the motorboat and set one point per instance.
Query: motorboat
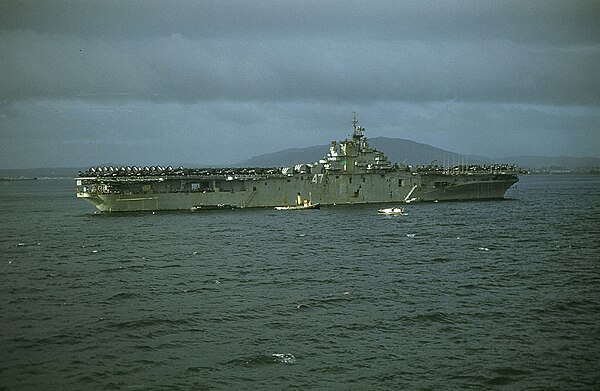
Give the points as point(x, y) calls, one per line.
point(392, 211)
point(299, 207)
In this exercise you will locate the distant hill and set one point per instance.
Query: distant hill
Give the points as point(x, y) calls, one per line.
point(413, 153)
point(398, 151)
point(287, 157)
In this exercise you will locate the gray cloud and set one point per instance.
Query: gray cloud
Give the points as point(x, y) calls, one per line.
point(553, 21)
point(76, 133)
point(177, 68)
point(120, 81)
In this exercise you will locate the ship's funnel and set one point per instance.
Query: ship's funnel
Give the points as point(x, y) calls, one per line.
point(299, 201)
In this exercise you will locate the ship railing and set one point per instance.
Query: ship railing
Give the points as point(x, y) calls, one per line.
point(256, 177)
point(98, 191)
point(506, 169)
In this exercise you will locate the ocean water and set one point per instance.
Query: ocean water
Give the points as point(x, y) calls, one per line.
point(457, 295)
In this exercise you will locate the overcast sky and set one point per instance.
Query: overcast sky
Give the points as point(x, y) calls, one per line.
point(196, 82)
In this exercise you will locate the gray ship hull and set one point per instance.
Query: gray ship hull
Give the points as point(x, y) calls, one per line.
point(465, 187)
point(351, 173)
point(267, 192)
point(325, 190)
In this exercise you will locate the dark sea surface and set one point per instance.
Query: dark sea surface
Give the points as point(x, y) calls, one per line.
point(455, 295)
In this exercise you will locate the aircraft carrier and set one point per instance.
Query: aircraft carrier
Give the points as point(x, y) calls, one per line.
point(351, 173)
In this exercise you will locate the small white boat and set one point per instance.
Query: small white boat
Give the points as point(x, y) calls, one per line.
point(299, 207)
point(392, 211)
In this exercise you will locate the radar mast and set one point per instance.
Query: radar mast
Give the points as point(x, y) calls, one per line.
point(358, 130)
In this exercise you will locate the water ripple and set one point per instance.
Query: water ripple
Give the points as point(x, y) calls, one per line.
point(473, 295)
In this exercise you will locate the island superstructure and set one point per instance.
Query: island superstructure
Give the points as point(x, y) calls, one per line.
point(351, 173)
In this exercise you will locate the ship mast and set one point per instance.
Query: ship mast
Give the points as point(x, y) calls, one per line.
point(358, 130)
